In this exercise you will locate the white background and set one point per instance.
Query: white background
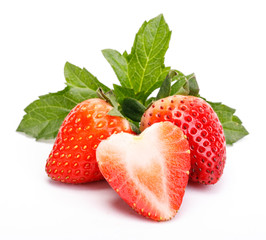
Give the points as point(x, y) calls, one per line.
point(223, 42)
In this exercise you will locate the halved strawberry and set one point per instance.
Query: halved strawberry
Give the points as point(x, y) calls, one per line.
point(149, 171)
point(72, 159)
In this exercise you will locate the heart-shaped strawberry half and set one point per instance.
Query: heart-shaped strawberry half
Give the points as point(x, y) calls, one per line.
point(149, 171)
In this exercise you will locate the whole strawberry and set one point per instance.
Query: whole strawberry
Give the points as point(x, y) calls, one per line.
point(203, 129)
point(72, 159)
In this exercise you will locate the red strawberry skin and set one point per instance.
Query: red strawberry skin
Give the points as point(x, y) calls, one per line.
point(150, 171)
point(72, 159)
point(203, 129)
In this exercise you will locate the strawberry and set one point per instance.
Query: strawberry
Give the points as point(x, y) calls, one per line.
point(72, 159)
point(203, 129)
point(149, 171)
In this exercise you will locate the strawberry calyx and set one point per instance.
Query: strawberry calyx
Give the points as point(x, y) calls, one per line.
point(175, 83)
point(117, 109)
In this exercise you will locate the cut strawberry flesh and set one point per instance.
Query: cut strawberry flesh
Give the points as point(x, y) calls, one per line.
point(149, 171)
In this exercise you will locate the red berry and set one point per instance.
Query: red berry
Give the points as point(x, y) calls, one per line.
point(149, 171)
point(72, 159)
point(201, 125)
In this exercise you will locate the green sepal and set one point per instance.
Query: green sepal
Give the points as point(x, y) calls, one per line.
point(165, 88)
point(115, 112)
point(180, 86)
point(133, 109)
point(108, 97)
point(193, 85)
point(134, 127)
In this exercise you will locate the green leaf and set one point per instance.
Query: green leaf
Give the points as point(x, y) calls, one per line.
point(236, 119)
point(119, 65)
point(146, 60)
point(133, 109)
point(121, 93)
point(233, 132)
point(44, 116)
point(142, 71)
point(125, 54)
point(232, 125)
point(82, 78)
point(158, 83)
point(218, 106)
